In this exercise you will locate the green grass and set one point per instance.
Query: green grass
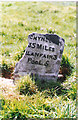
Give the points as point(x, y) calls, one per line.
point(18, 20)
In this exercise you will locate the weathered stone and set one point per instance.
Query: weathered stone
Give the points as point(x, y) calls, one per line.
point(42, 56)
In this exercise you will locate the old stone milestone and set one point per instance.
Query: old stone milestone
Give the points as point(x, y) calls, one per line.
point(42, 57)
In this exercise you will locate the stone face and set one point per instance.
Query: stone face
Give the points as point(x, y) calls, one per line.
point(42, 56)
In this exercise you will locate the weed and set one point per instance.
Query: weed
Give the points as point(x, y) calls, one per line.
point(66, 66)
point(26, 86)
point(72, 91)
point(19, 55)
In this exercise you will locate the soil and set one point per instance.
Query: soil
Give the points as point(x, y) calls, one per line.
point(8, 74)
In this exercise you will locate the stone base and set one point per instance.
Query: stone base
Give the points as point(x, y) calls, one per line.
point(46, 77)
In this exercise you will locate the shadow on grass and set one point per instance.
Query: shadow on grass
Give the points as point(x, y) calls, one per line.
point(50, 88)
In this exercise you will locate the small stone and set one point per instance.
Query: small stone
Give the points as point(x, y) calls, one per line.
point(42, 57)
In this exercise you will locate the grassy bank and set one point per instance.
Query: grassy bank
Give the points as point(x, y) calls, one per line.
point(19, 19)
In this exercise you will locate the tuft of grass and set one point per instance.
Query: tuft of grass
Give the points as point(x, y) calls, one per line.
point(66, 66)
point(72, 91)
point(19, 55)
point(26, 86)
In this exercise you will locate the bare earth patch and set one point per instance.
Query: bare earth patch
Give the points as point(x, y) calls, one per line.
point(6, 85)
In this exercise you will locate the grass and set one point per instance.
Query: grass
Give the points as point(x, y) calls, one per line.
point(32, 99)
point(39, 104)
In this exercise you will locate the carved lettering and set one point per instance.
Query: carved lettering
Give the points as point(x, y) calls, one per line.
point(35, 38)
point(46, 63)
point(41, 47)
point(32, 61)
point(35, 54)
point(32, 45)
